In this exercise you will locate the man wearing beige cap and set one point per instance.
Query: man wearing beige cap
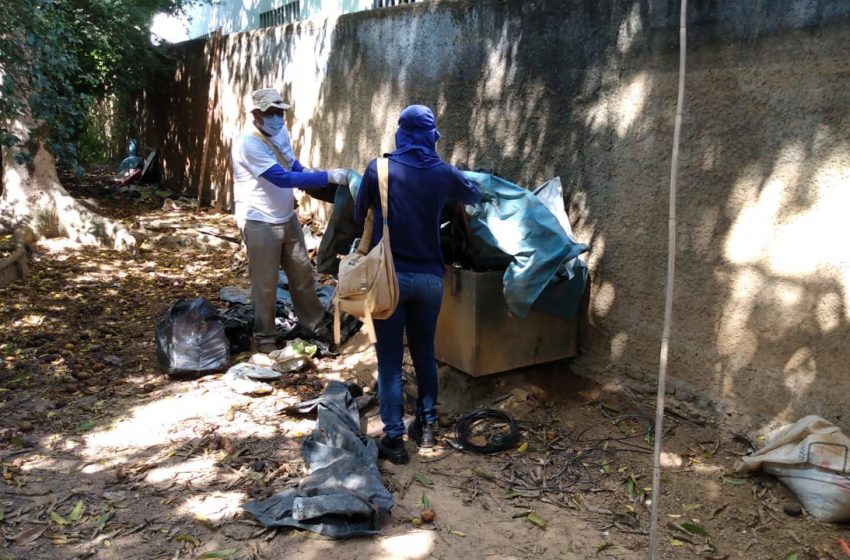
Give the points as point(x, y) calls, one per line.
point(265, 172)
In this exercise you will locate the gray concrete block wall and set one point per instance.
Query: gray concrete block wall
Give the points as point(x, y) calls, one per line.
point(586, 90)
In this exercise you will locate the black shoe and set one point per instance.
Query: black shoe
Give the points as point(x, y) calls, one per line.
point(425, 433)
point(393, 450)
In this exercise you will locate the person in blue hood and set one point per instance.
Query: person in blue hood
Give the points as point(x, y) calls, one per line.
point(420, 184)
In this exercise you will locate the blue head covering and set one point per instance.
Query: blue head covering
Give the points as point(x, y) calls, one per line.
point(416, 138)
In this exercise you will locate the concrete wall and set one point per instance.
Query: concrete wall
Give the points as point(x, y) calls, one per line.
point(586, 90)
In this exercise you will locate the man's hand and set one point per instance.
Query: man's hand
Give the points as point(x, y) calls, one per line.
point(338, 176)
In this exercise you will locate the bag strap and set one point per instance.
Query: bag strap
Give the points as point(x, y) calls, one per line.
point(370, 325)
point(337, 320)
point(367, 320)
point(384, 186)
point(383, 165)
point(281, 159)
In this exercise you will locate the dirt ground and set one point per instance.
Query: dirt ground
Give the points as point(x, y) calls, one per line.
point(105, 457)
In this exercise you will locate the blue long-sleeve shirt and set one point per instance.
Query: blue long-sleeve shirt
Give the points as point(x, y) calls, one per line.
point(416, 199)
point(295, 179)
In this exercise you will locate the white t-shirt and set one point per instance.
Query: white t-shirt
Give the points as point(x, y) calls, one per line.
point(254, 197)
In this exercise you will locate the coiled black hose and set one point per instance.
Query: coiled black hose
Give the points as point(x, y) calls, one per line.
point(495, 442)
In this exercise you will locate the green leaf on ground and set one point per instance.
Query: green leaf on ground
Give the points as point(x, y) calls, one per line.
point(58, 518)
point(733, 481)
point(85, 426)
point(193, 540)
point(632, 489)
point(695, 529)
point(226, 553)
point(483, 474)
point(426, 503)
point(101, 520)
point(423, 480)
point(457, 533)
point(536, 519)
point(77, 512)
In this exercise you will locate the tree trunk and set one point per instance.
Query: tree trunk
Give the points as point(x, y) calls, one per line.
point(34, 200)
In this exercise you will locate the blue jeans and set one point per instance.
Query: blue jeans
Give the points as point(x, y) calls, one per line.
point(420, 296)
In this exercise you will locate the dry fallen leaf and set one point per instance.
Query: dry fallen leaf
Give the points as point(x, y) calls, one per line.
point(29, 536)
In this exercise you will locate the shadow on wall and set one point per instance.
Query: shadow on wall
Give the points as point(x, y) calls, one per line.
point(587, 91)
point(761, 292)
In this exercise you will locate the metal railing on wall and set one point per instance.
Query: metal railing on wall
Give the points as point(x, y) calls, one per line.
point(289, 12)
point(388, 3)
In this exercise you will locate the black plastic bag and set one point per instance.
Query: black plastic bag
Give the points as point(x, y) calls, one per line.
point(191, 339)
point(238, 326)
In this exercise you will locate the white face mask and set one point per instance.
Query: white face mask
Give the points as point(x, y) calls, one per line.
point(272, 124)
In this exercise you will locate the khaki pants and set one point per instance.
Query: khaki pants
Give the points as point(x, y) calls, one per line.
point(269, 247)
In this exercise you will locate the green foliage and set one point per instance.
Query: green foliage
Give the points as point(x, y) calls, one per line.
point(59, 57)
point(92, 144)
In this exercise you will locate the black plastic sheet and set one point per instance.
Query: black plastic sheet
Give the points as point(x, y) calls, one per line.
point(343, 496)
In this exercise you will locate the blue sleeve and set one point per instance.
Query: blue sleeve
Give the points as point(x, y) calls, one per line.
point(297, 167)
point(465, 190)
point(279, 177)
point(368, 184)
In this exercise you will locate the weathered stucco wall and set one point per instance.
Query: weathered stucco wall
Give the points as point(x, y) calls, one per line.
point(586, 90)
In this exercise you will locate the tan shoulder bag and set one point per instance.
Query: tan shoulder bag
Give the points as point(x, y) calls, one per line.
point(367, 286)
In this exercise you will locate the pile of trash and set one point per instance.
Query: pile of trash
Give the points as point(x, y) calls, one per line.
point(239, 316)
point(251, 377)
point(134, 168)
point(196, 338)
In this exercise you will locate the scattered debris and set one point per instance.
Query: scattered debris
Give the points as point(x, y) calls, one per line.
point(810, 457)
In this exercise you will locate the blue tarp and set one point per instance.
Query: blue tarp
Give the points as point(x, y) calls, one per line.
point(518, 223)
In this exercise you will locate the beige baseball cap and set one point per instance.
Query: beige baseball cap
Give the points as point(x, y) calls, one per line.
point(265, 98)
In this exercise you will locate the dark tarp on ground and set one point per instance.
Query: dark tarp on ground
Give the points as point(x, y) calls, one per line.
point(511, 227)
point(343, 496)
